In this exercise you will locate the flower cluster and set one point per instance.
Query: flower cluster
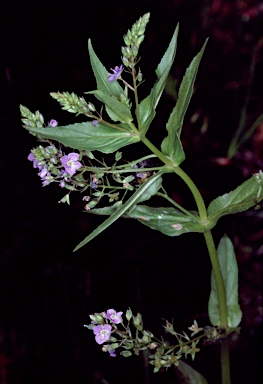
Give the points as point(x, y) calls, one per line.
point(133, 337)
point(71, 172)
point(133, 40)
point(53, 166)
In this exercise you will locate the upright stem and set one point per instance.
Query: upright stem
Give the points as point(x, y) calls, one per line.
point(218, 279)
point(225, 363)
point(207, 234)
point(223, 313)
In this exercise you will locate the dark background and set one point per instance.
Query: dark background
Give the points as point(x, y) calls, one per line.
point(46, 291)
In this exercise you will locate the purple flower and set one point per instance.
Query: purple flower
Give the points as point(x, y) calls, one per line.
point(116, 73)
point(93, 185)
point(102, 333)
point(113, 316)
point(31, 157)
point(53, 123)
point(70, 163)
point(43, 173)
point(112, 353)
point(95, 122)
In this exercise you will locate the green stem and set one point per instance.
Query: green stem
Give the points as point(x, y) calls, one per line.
point(225, 363)
point(218, 279)
point(197, 196)
point(207, 233)
point(137, 112)
point(97, 170)
point(158, 153)
point(176, 205)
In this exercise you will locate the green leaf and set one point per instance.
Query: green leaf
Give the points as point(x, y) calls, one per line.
point(188, 375)
point(115, 109)
point(147, 112)
point(86, 136)
point(151, 190)
point(171, 145)
point(105, 211)
point(229, 269)
point(169, 221)
point(101, 74)
point(242, 198)
point(120, 211)
point(148, 105)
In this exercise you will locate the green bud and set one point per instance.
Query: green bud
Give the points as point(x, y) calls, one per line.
point(128, 179)
point(128, 314)
point(91, 107)
point(91, 204)
point(40, 163)
point(134, 51)
point(90, 155)
point(146, 339)
point(125, 353)
point(126, 51)
point(125, 61)
point(80, 184)
point(127, 40)
point(118, 156)
point(137, 321)
point(139, 76)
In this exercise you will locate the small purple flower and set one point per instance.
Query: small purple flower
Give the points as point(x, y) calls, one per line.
point(43, 173)
point(93, 185)
point(95, 122)
point(102, 333)
point(116, 73)
point(31, 157)
point(70, 163)
point(113, 316)
point(53, 123)
point(112, 353)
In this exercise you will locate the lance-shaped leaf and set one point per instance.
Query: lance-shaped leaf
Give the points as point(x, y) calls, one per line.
point(188, 375)
point(115, 109)
point(121, 210)
point(101, 74)
point(169, 221)
point(86, 136)
point(229, 270)
point(242, 198)
point(171, 145)
point(152, 189)
point(148, 105)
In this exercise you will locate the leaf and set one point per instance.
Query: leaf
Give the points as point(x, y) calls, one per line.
point(188, 375)
point(148, 105)
point(105, 211)
point(120, 211)
point(151, 190)
point(101, 74)
point(84, 136)
point(116, 110)
point(171, 145)
point(229, 269)
point(169, 221)
point(242, 198)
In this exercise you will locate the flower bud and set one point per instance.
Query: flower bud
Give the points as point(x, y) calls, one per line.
point(128, 314)
point(137, 320)
point(139, 76)
point(97, 318)
point(91, 107)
